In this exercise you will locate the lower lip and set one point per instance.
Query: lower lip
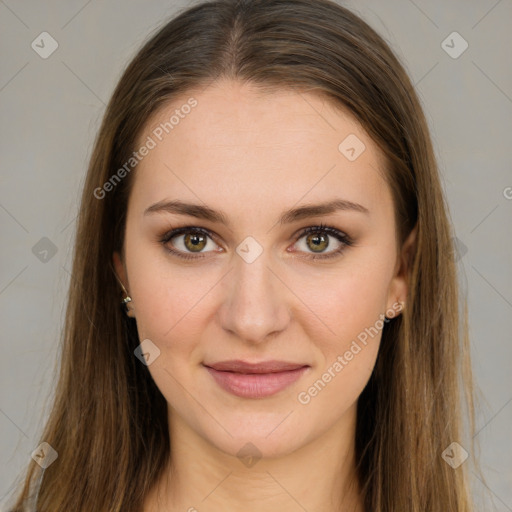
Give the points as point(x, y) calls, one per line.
point(256, 385)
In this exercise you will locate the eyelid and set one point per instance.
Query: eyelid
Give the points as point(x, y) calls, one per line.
point(174, 232)
point(344, 239)
point(331, 231)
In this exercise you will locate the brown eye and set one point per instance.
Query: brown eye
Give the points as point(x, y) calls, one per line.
point(318, 242)
point(195, 242)
point(316, 239)
point(189, 242)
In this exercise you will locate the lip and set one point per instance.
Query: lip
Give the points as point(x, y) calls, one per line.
point(255, 380)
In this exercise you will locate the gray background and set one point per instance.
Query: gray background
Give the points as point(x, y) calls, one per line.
point(50, 110)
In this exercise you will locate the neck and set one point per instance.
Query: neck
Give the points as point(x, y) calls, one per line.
point(318, 476)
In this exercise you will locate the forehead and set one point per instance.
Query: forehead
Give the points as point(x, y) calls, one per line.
point(241, 146)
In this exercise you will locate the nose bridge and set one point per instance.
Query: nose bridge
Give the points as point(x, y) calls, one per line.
point(255, 302)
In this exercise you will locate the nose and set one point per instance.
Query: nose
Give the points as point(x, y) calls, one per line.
point(255, 305)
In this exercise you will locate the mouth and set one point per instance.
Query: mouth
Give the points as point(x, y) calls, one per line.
point(255, 380)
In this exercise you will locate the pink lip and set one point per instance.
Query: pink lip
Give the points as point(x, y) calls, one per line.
point(255, 380)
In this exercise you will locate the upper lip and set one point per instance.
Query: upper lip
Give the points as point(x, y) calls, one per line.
point(239, 366)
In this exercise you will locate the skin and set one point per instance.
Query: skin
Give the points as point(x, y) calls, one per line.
point(254, 155)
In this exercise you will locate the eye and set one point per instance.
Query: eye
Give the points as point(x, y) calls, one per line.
point(193, 242)
point(190, 242)
point(317, 240)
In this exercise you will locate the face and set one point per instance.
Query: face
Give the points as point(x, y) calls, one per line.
point(241, 277)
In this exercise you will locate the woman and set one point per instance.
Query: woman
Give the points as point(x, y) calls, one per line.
point(264, 201)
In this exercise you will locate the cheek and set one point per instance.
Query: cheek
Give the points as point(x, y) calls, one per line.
point(355, 316)
point(353, 310)
point(167, 300)
point(172, 310)
point(347, 303)
point(336, 387)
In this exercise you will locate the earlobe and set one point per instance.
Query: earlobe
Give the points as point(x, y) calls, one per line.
point(120, 274)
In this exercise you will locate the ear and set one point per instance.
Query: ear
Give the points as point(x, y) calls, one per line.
point(121, 275)
point(400, 282)
point(119, 268)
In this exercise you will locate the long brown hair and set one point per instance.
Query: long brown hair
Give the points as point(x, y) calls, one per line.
point(108, 421)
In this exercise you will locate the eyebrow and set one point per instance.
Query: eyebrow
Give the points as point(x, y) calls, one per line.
point(293, 215)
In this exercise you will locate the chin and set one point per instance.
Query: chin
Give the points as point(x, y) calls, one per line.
point(257, 438)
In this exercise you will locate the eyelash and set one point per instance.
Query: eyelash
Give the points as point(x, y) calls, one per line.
point(321, 228)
